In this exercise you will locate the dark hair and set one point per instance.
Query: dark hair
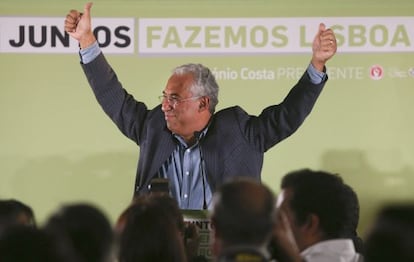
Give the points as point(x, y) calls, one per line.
point(151, 231)
point(82, 229)
point(11, 211)
point(243, 212)
point(22, 243)
point(391, 236)
point(169, 205)
point(327, 196)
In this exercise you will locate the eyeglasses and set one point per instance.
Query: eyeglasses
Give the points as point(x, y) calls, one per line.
point(174, 100)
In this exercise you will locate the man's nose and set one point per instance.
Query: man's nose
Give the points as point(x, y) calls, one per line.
point(165, 106)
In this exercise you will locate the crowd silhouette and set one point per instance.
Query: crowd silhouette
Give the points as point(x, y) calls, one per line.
point(313, 218)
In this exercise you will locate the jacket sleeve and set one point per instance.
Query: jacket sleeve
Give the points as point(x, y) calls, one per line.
point(126, 112)
point(278, 122)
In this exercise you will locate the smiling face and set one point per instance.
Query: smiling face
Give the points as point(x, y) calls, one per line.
point(188, 113)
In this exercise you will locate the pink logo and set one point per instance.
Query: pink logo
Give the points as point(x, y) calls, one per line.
point(376, 72)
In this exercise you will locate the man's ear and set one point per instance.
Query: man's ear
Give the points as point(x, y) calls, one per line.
point(313, 224)
point(204, 103)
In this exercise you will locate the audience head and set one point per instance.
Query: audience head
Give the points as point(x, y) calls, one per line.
point(150, 229)
point(22, 243)
point(391, 236)
point(242, 215)
point(319, 206)
point(82, 230)
point(14, 212)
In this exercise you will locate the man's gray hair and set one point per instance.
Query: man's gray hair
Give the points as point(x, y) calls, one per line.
point(204, 83)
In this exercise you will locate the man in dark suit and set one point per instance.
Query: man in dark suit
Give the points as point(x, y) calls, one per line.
point(184, 140)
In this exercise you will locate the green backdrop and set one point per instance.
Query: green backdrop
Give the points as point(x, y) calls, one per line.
point(57, 146)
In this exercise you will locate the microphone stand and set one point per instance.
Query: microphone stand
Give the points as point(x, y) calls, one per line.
point(202, 169)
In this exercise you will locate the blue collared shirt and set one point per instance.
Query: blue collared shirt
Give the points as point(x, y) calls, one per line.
point(187, 174)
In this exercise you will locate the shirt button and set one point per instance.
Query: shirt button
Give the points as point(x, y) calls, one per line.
point(185, 195)
point(187, 173)
point(188, 150)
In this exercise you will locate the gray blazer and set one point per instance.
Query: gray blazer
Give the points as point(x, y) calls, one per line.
point(234, 144)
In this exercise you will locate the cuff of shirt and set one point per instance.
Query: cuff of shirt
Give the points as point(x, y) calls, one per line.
point(315, 76)
point(88, 54)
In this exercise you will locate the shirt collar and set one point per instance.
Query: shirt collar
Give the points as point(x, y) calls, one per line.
point(201, 135)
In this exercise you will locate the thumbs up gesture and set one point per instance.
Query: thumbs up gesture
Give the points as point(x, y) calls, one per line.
point(78, 25)
point(323, 47)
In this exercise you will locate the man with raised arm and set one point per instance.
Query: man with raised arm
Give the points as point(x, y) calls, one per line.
point(184, 139)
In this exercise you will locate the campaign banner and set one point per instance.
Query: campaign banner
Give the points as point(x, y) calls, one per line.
point(47, 35)
point(271, 35)
point(203, 36)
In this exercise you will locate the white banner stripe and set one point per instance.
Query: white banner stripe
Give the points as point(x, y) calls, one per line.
point(205, 36)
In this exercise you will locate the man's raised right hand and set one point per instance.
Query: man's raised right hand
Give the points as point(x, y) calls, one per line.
point(78, 25)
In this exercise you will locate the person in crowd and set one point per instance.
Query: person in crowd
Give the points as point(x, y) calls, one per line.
point(151, 229)
point(189, 232)
point(221, 144)
point(82, 231)
point(390, 238)
point(14, 212)
point(317, 218)
point(242, 220)
point(29, 244)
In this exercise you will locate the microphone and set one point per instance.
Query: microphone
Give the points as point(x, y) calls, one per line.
point(197, 135)
point(159, 185)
